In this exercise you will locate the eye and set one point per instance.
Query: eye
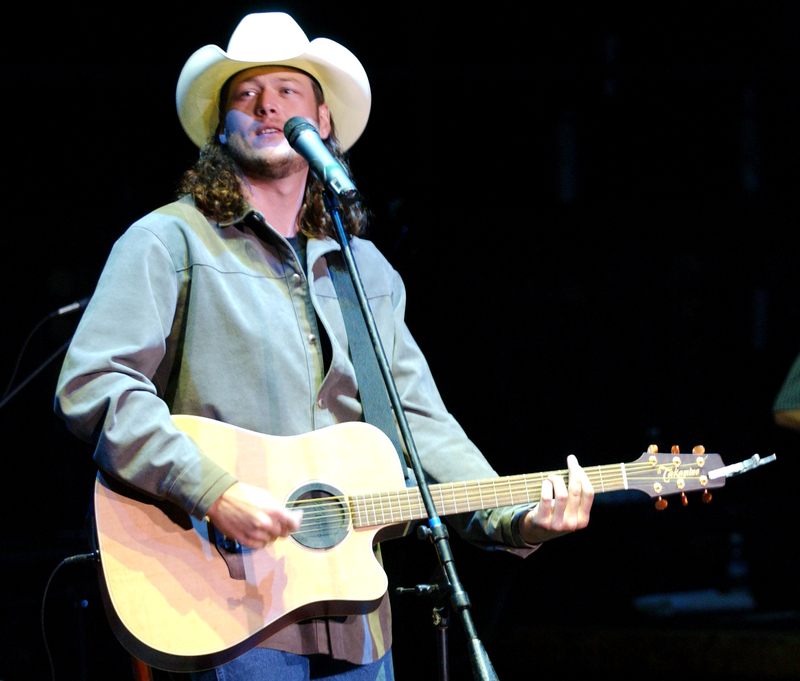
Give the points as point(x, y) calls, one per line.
point(244, 92)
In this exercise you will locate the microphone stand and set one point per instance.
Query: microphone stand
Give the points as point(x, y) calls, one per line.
point(481, 666)
point(440, 614)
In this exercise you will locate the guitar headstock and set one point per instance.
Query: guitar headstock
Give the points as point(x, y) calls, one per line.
point(661, 475)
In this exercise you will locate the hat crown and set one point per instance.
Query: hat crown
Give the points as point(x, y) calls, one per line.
point(267, 36)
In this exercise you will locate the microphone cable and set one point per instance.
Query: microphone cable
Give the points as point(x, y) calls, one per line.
point(94, 557)
point(8, 394)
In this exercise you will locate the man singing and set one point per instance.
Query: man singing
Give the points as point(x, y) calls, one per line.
point(221, 305)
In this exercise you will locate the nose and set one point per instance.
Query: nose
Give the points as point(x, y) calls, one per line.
point(265, 103)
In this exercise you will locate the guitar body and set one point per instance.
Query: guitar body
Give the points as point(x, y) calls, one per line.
point(179, 598)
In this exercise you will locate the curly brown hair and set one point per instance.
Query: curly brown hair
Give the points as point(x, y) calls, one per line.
point(214, 184)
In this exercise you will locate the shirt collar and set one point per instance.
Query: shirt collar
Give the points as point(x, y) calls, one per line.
point(315, 247)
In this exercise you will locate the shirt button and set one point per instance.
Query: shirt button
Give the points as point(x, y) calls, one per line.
point(297, 279)
point(312, 339)
point(321, 403)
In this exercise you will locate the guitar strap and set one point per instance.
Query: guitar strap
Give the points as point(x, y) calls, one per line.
point(371, 388)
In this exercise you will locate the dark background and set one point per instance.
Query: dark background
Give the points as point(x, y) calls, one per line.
point(595, 215)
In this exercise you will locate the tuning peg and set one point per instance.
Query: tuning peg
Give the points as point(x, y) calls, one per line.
point(676, 449)
point(652, 449)
point(684, 499)
point(661, 504)
point(699, 449)
point(706, 496)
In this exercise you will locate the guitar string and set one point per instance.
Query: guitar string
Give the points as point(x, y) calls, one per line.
point(502, 486)
point(391, 506)
point(450, 495)
point(513, 483)
point(391, 501)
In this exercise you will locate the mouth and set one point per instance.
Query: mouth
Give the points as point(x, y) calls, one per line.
point(268, 130)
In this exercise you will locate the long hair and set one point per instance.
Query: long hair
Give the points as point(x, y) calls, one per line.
point(214, 184)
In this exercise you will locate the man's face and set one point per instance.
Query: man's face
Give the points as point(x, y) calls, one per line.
point(259, 102)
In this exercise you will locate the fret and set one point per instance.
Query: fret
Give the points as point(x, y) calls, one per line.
point(374, 510)
point(352, 502)
point(366, 509)
point(362, 514)
point(369, 501)
point(527, 489)
point(387, 496)
point(408, 497)
point(602, 484)
point(466, 495)
point(455, 501)
point(510, 492)
point(441, 496)
point(391, 505)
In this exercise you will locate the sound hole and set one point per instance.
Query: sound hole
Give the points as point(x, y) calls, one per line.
point(326, 518)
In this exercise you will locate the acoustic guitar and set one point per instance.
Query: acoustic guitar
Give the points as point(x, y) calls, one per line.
point(180, 596)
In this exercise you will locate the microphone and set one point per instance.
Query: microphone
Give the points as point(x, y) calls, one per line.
point(305, 140)
point(78, 305)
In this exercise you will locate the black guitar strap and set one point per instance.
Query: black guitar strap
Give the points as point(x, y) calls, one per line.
point(371, 388)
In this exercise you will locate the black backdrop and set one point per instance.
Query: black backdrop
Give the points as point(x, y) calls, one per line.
point(594, 213)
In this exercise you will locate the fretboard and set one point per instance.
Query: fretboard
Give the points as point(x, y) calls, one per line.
point(389, 507)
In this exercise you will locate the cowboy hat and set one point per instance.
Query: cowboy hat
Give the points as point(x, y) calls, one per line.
point(273, 38)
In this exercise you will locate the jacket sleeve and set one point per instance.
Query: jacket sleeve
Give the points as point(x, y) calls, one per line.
point(114, 378)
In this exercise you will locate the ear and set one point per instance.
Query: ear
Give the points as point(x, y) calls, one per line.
point(324, 117)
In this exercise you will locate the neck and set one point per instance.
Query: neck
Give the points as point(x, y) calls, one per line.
point(278, 200)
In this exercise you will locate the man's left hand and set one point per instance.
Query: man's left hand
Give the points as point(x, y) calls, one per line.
point(562, 508)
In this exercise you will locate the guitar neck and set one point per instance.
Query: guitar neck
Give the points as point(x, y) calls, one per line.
point(405, 504)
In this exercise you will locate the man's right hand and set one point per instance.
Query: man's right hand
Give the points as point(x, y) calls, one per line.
point(252, 516)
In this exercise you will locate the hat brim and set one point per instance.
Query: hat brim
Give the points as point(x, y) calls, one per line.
point(341, 76)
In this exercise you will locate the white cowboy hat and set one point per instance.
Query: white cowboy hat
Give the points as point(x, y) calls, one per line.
point(266, 39)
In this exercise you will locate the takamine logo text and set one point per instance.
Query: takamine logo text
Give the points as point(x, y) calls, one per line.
point(676, 472)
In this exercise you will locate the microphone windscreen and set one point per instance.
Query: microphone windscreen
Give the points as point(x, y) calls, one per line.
point(294, 127)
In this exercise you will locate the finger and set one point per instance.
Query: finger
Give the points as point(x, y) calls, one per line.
point(544, 508)
point(286, 522)
point(547, 495)
point(260, 532)
point(294, 520)
point(581, 492)
point(561, 499)
point(577, 479)
point(264, 529)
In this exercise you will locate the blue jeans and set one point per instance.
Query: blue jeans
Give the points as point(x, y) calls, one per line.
point(263, 664)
